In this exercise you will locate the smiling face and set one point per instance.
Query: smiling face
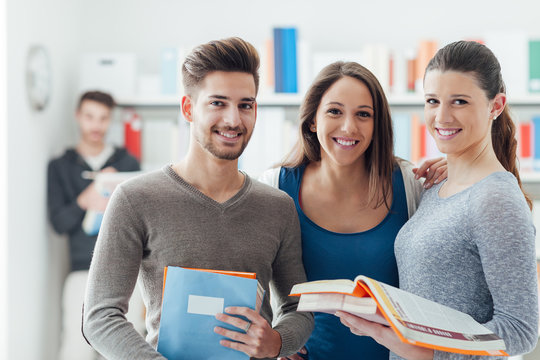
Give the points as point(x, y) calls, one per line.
point(457, 111)
point(222, 112)
point(94, 119)
point(344, 122)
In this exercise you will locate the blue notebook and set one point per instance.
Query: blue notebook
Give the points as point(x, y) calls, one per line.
point(191, 298)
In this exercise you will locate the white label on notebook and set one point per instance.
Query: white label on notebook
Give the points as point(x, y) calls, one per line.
point(205, 305)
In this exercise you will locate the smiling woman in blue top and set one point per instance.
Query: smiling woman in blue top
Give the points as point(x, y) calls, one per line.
point(351, 193)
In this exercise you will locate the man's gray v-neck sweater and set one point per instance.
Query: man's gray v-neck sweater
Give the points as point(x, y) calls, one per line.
point(157, 220)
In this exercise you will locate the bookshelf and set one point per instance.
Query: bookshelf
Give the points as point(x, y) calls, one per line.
point(168, 107)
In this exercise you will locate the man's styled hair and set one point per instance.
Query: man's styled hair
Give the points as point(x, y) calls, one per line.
point(97, 96)
point(230, 55)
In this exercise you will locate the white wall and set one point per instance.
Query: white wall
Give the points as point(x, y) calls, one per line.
point(3, 184)
point(144, 26)
point(36, 262)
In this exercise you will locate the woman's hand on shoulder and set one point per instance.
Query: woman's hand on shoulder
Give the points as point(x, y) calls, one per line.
point(433, 170)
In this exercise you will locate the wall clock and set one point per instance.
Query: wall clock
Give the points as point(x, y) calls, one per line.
point(38, 77)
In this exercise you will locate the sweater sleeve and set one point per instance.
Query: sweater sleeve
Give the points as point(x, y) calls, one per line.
point(64, 212)
point(288, 269)
point(112, 277)
point(504, 234)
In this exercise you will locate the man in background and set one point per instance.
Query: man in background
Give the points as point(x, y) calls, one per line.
point(72, 196)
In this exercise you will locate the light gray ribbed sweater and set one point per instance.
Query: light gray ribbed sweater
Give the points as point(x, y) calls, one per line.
point(475, 252)
point(157, 220)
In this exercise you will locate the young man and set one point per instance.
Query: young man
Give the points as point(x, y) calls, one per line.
point(201, 213)
point(70, 196)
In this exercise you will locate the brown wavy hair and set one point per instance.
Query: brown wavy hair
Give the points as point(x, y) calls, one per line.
point(380, 160)
point(230, 55)
point(478, 60)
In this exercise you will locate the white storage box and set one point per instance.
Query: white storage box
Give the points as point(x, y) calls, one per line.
point(115, 73)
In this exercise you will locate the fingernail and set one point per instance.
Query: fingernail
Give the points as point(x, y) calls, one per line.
point(436, 181)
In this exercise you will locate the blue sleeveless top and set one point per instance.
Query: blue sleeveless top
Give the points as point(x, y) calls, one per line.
point(330, 255)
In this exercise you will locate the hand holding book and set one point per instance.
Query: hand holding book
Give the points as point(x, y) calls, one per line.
point(257, 339)
point(385, 336)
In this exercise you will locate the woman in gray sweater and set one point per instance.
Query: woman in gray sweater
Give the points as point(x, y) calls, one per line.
point(471, 243)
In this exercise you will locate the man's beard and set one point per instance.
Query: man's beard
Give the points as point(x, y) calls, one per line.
point(221, 153)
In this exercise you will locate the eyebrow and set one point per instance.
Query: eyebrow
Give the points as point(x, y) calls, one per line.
point(454, 95)
point(340, 104)
point(221, 97)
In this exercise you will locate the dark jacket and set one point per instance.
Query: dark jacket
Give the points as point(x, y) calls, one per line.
point(64, 184)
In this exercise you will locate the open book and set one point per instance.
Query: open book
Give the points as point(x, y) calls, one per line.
point(415, 320)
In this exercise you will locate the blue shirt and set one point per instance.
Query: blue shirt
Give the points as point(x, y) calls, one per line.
point(330, 255)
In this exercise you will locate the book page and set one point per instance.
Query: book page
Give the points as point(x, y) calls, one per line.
point(417, 312)
point(426, 323)
point(341, 286)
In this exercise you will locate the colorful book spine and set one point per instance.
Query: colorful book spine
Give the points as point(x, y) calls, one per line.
point(415, 139)
point(285, 60)
point(423, 135)
point(536, 146)
point(534, 66)
point(290, 76)
point(525, 145)
point(411, 74)
point(278, 60)
point(132, 133)
point(426, 51)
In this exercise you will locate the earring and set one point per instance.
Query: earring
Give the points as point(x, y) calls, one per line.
point(313, 128)
point(495, 118)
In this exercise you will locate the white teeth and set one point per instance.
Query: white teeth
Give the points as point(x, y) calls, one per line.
point(230, 136)
point(346, 142)
point(447, 132)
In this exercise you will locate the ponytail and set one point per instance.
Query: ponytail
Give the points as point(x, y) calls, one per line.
point(503, 138)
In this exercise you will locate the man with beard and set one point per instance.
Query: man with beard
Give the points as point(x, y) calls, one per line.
point(201, 213)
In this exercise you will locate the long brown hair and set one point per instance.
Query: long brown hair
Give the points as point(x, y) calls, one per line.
point(379, 156)
point(475, 58)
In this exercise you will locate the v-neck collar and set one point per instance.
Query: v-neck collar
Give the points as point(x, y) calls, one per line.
point(206, 199)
